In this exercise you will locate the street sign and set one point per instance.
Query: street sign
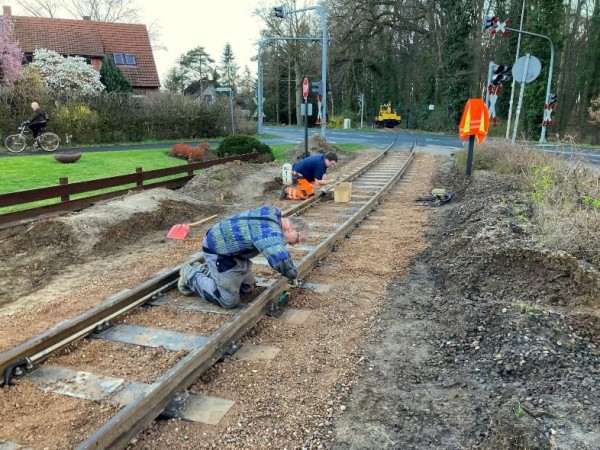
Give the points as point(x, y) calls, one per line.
point(223, 89)
point(305, 89)
point(533, 69)
point(304, 107)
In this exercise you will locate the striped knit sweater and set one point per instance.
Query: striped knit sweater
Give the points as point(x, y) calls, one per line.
point(251, 232)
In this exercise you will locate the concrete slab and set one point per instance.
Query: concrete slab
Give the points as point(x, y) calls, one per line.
point(295, 316)
point(74, 383)
point(153, 337)
point(316, 287)
point(251, 352)
point(129, 393)
point(204, 409)
point(193, 303)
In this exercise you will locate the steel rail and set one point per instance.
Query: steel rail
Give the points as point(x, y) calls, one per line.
point(118, 431)
point(121, 428)
point(37, 349)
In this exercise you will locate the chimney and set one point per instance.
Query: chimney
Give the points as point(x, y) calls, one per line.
point(86, 17)
point(6, 12)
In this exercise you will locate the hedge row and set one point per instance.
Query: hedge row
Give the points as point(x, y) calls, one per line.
point(116, 118)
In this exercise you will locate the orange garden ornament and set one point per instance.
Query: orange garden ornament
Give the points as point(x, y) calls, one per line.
point(475, 120)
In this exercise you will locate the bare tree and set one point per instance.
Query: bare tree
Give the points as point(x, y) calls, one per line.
point(41, 8)
point(104, 10)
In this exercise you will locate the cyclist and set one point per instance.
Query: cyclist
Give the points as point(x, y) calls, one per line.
point(37, 122)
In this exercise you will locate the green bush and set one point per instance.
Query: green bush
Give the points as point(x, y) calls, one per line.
point(240, 144)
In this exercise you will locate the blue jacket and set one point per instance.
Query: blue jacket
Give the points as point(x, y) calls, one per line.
point(249, 233)
point(312, 168)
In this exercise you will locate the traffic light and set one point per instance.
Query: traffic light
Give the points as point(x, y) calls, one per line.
point(501, 73)
point(317, 87)
point(552, 100)
point(279, 12)
point(489, 22)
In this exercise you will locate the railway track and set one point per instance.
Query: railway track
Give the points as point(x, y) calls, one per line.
point(141, 403)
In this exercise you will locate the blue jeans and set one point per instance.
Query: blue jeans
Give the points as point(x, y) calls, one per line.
point(226, 277)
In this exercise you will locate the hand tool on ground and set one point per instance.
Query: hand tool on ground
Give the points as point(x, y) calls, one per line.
point(180, 231)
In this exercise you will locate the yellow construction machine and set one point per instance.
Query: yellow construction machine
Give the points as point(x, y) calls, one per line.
point(387, 117)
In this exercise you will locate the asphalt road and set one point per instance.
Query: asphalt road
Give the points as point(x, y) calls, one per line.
point(429, 142)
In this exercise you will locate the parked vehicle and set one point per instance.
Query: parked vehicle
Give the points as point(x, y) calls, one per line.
point(387, 116)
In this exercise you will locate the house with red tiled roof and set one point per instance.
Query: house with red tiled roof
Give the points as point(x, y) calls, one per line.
point(127, 44)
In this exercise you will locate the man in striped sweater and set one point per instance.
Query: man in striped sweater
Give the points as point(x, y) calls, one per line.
point(228, 247)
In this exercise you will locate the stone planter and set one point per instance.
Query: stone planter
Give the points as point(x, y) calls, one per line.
point(66, 158)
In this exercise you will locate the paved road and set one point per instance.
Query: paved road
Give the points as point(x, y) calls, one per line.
point(429, 142)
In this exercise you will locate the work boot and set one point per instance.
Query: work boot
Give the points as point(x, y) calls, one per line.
point(283, 194)
point(183, 276)
point(246, 288)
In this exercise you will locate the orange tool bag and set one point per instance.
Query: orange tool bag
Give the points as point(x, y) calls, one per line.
point(302, 190)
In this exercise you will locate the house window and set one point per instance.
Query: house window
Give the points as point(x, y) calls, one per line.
point(124, 59)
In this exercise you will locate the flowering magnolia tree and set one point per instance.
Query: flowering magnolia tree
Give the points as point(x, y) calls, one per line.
point(70, 74)
point(10, 54)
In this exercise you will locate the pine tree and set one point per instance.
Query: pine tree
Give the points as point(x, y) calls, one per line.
point(112, 77)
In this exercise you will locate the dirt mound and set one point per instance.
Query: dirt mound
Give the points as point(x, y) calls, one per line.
point(50, 246)
point(236, 183)
point(316, 144)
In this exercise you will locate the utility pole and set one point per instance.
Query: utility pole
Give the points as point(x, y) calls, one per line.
point(259, 86)
point(279, 12)
point(512, 87)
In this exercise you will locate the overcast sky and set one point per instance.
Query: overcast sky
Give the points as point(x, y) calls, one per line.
point(186, 24)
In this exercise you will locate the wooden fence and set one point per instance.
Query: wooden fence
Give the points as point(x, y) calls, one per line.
point(65, 190)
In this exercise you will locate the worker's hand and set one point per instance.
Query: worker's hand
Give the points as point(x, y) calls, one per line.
point(293, 283)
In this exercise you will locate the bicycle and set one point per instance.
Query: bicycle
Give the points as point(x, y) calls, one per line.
point(16, 143)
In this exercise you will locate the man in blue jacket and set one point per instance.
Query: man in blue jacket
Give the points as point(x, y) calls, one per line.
point(228, 247)
point(309, 172)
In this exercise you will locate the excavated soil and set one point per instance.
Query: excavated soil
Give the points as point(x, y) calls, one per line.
point(441, 327)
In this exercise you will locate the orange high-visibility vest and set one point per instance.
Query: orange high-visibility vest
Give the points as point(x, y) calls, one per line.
point(475, 120)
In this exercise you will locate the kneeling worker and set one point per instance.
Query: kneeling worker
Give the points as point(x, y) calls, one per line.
point(228, 247)
point(309, 172)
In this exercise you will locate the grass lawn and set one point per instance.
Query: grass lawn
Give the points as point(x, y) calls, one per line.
point(37, 171)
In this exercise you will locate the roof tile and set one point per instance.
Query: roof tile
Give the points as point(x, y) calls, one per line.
point(93, 40)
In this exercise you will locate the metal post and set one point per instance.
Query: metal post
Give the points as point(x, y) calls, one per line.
point(518, 114)
point(489, 81)
point(231, 108)
point(470, 155)
point(306, 127)
point(549, 82)
point(259, 88)
point(512, 86)
point(324, 69)
point(323, 61)
point(362, 108)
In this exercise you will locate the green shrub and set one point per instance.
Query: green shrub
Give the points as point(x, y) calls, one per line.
point(240, 144)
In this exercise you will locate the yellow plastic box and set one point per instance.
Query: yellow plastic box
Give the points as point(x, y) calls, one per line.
point(342, 192)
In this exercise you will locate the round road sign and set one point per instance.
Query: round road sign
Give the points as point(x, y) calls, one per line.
point(305, 88)
point(533, 69)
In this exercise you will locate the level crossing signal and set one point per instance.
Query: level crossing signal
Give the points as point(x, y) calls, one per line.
point(279, 12)
point(548, 109)
point(501, 73)
point(317, 87)
point(495, 25)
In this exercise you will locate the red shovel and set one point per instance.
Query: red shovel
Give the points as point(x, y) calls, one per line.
point(180, 231)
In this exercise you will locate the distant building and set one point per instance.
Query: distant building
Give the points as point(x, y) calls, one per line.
point(127, 44)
